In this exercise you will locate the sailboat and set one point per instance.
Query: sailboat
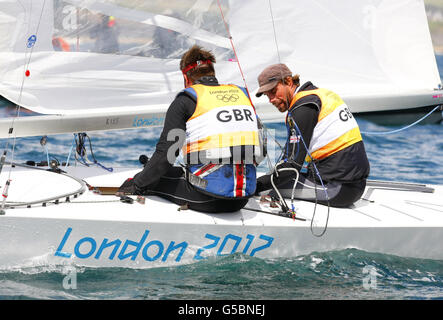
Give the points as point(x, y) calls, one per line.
point(85, 66)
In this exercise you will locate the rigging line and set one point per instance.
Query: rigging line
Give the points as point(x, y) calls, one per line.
point(275, 34)
point(315, 207)
point(20, 94)
point(260, 123)
point(27, 58)
point(301, 138)
point(317, 173)
point(287, 102)
point(3, 158)
point(233, 49)
point(240, 68)
point(11, 130)
point(36, 32)
point(25, 67)
point(270, 167)
point(277, 49)
point(404, 128)
point(70, 153)
point(93, 156)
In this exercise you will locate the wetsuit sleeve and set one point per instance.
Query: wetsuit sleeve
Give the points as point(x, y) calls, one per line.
point(178, 113)
point(306, 118)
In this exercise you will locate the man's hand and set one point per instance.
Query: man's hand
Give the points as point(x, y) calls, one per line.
point(128, 187)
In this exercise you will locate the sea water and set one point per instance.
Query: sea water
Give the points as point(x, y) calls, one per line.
point(413, 155)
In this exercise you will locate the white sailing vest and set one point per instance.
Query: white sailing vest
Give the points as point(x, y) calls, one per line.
point(336, 128)
point(224, 117)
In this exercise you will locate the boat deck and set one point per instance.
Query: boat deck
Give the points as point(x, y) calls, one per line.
point(86, 227)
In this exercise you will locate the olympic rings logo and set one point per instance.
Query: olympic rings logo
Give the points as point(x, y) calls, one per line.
point(228, 97)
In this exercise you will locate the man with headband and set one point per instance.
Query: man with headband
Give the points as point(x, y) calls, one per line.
point(216, 127)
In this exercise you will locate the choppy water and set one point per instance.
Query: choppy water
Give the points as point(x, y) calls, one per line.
point(330, 275)
point(414, 155)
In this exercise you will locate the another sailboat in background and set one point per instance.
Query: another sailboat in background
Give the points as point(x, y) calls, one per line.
point(379, 56)
point(108, 65)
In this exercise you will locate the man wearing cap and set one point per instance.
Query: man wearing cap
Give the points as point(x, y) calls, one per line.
point(217, 129)
point(324, 142)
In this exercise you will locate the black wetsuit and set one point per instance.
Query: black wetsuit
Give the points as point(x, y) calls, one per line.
point(161, 178)
point(344, 173)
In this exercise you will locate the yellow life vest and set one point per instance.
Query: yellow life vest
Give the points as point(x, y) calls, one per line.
point(336, 128)
point(224, 117)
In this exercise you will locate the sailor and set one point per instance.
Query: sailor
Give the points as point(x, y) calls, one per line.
point(216, 127)
point(60, 44)
point(105, 33)
point(324, 143)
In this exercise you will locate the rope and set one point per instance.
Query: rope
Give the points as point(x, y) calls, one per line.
point(301, 137)
point(52, 200)
point(11, 130)
point(264, 129)
point(81, 151)
point(70, 152)
point(233, 49)
point(275, 34)
point(401, 129)
point(26, 67)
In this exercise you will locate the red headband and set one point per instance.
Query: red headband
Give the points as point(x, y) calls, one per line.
point(195, 64)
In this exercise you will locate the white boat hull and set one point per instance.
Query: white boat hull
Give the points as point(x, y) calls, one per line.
point(101, 231)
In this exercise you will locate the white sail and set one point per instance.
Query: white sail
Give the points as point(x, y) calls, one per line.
point(96, 65)
point(123, 66)
point(364, 50)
